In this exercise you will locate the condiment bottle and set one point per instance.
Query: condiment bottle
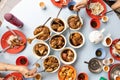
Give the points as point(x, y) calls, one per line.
point(13, 20)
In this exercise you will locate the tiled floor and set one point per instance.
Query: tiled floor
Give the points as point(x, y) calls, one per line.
point(6, 6)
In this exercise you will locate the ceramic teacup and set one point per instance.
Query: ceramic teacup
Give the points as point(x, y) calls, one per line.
point(116, 77)
point(111, 60)
point(105, 18)
point(107, 41)
point(106, 68)
point(106, 62)
point(42, 5)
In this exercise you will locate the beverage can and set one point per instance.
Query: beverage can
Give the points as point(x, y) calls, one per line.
point(13, 20)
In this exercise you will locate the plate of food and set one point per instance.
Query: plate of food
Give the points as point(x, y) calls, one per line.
point(96, 8)
point(67, 72)
point(14, 76)
point(115, 49)
point(15, 43)
point(60, 3)
point(114, 70)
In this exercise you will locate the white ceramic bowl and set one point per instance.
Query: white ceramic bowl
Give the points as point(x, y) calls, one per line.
point(42, 42)
point(65, 26)
point(71, 62)
point(78, 45)
point(58, 63)
point(62, 37)
point(38, 33)
point(106, 67)
point(81, 20)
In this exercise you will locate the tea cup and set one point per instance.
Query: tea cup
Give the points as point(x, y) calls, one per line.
point(111, 60)
point(105, 18)
point(38, 76)
point(116, 77)
point(107, 41)
point(106, 62)
point(106, 68)
point(42, 5)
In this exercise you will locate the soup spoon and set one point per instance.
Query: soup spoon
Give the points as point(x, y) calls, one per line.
point(31, 39)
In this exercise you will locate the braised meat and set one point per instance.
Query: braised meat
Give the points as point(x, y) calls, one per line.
point(57, 42)
point(45, 32)
point(57, 25)
point(74, 22)
point(76, 39)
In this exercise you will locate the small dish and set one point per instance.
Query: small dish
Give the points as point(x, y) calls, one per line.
point(75, 22)
point(57, 42)
point(106, 62)
point(111, 60)
point(76, 39)
point(82, 76)
point(41, 49)
point(58, 25)
point(51, 64)
point(105, 18)
point(116, 77)
point(95, 23)
point(100, 53)
point(22, 60)
point(67, 72)
point(42, 5)
point(68, 55)
point(15, 75)
point(16, 49)
point(106, 68)
point(38, 76)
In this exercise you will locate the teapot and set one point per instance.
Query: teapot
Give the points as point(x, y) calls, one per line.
point(96, 36)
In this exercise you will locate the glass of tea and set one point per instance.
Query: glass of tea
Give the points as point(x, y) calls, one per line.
point(95, 23)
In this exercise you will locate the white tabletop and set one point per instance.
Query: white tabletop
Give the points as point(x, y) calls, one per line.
point(29, 12)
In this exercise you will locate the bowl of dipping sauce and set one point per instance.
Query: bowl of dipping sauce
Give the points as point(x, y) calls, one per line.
point(22, 60)
point(95, 23)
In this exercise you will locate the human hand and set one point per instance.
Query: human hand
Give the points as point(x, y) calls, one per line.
point(26, 72)
point(80, 5)
point(1, 78)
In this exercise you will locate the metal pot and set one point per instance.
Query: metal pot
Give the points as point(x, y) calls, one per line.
point(95, 65)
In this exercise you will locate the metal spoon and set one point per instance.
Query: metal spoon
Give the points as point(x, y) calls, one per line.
point(13, 32)
point(4, 50)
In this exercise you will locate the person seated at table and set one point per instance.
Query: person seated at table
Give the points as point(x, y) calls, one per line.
point(83, 4)
point(22, 69)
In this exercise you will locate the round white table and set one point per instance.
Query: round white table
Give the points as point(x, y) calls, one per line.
point(30, 13)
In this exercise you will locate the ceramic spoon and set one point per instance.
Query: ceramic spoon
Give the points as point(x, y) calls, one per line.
point(31, 39)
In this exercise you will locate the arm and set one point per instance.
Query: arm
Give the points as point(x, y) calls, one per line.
point(80, 5)
point(22, 69)
point(116, 5)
